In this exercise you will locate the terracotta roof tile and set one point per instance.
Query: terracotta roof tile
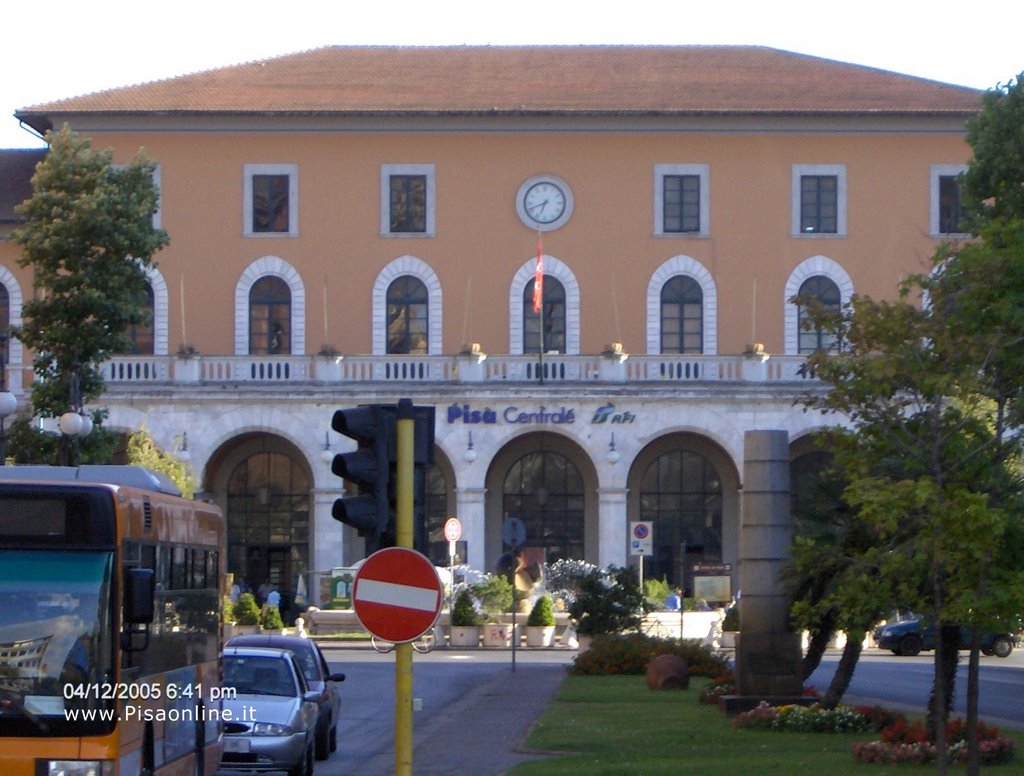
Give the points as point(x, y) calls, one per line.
point(533, 79)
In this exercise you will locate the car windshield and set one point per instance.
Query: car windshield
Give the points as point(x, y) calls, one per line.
point(259, 675)
point(56, 634)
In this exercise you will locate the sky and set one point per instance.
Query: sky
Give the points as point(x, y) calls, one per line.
point(66, 48)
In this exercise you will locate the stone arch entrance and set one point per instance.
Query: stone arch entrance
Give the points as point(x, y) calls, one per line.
point(688, 487)
point(548, 482)
point(264, 485)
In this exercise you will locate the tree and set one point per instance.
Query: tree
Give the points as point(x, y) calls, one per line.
point(921, 463)
point(88, 237)
point(143, 451)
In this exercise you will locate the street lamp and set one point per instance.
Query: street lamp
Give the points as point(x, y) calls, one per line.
point(8, 401)
point(74, 423)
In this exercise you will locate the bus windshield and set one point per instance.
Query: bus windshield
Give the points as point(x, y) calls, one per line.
point(56, 632)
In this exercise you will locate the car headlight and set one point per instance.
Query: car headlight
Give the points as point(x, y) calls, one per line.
point(80, 768)
point(271, 729)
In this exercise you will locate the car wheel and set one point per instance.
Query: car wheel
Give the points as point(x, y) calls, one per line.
point(334, 737)
point(1002, 646)
point(303, 767)
point(911, 645)
point(323, 740)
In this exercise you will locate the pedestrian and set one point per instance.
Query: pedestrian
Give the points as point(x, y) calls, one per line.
point(674, 603)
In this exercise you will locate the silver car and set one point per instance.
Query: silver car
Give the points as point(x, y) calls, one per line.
point(318, 677)
point(270, 718)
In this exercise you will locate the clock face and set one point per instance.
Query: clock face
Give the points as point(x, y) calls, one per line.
point(544, 203)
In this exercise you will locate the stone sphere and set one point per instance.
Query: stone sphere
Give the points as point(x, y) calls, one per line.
point(668, 672)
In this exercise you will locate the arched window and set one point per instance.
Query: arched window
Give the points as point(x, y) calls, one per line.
point(545, 490)
point(682, 316)
point(270, 314)
point(140, 335)
point(826, 292)
point(681, 493)
point(407, 311)
point(550, 336)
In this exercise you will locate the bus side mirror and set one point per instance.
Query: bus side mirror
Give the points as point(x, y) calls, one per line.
point(139, 596)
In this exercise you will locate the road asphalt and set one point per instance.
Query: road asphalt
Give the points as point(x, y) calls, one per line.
point(489, 725)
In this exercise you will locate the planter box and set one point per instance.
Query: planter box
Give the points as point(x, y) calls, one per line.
point(464, 636)
point(540, 635)
point(498, 634)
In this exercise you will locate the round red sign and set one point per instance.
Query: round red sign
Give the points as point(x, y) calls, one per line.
point(397, 594)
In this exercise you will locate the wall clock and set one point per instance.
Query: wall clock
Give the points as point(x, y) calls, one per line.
point(544, 203)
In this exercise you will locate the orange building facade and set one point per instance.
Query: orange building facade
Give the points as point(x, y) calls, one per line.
point(356, 225)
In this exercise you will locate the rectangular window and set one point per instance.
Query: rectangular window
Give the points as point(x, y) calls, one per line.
point(819, 200)
point(270, 203)
point(819, 204)
point(408, 203)
point(682, 203)
point(270, 200)
point(407, 200)
point(681, 200)
point(950, 211)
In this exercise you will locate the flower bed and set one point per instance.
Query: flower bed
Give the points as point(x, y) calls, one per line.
point(901, 740)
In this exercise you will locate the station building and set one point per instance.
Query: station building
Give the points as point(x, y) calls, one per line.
point(356, 225)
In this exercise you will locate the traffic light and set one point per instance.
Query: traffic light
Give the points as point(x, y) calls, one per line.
point(369, 468)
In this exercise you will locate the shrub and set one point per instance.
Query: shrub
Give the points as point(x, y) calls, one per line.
point(630, 653)
point(725, 684)
point(464, 614)
point(542, 613)
point(272, 619)
point(227, 610)
point(607, 602)
point(655, 592)
point(495, 593)
point(732, 619)
point(247, 611)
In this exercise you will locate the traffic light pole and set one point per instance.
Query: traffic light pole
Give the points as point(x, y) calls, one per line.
point(405, 445)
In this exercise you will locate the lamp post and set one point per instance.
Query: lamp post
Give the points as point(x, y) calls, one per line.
point(74, 423)
point(8, 402)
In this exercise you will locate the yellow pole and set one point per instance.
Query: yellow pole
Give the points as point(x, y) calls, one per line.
point(405, 441)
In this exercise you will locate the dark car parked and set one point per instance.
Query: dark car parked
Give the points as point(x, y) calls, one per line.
point(908, 635)
point(318, 677)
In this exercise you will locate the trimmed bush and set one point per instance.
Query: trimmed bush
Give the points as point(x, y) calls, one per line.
point(543, 613)
point(464, 614)
point(630, 653)
point(247, 611)
point(272, 619)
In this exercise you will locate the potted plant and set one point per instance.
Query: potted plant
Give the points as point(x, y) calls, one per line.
point(271, 620)
point(465, 621)
point(540, 625)
point(495, 593)
point(730, 626)
point(246, 613)
point(607, 602)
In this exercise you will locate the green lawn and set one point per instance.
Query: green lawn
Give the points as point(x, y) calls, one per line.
point(616, 725)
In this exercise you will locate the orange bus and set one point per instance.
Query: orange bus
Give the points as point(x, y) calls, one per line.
point(110, 634)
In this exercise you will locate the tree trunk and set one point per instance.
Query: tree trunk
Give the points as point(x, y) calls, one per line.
point(947, 653)
point(821, 634)
point(973, 755)
point(844, 671)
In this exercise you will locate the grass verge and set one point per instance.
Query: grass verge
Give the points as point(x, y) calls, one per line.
point(616, 725)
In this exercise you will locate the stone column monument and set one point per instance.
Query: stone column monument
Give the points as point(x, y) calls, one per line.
point(768, 653)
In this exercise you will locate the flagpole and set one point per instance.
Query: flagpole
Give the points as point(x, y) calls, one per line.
point(538, 306)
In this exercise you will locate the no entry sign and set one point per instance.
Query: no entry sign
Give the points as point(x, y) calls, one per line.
point(397, 594)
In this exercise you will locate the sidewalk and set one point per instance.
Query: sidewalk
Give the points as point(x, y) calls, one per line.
point(481, 732)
